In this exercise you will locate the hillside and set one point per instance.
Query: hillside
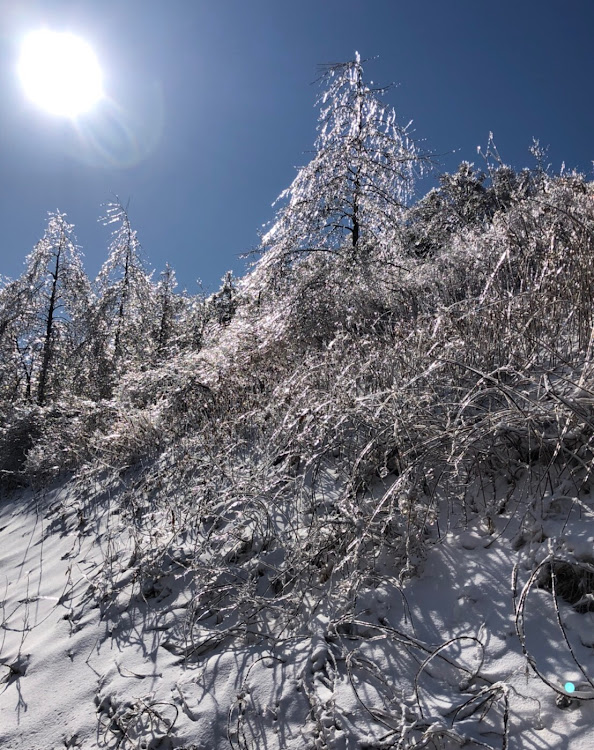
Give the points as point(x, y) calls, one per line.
point(344, 503)
point(356, 518)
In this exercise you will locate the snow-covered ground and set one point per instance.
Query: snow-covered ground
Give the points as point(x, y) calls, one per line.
point(434, 661)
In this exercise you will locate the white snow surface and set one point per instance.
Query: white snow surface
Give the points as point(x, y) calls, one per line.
point(85, 667)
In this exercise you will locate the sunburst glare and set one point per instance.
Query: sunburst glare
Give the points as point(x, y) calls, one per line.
point(60, 72)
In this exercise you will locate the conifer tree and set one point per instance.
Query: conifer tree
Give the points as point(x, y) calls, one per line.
point(350, 196)
point(12, 304)
point(53, 295)
point(194, 318)
point(126, 297)
point(169, 306)
point(224, 302)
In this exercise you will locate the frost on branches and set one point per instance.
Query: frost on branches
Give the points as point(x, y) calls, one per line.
point(348, 200)
point(53, 295)
point(126, 293)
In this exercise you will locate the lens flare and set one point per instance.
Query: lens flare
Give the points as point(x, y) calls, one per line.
point(60, 73)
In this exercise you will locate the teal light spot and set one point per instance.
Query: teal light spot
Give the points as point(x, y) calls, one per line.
point(569, 687)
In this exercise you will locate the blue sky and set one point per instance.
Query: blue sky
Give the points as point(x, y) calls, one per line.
point(212, 108)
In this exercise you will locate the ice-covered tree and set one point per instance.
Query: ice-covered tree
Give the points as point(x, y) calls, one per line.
point(465, 198)
point(50, 325)
point(126, 296)
point(224, 302)
point(462, 199)
point(169, 306)
point(13, 301)
point(349, 198)
point(195, 317)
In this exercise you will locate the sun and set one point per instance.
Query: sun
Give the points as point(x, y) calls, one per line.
point(60, 73)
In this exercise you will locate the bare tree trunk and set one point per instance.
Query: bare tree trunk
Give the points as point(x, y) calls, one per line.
point(49, 331)
point(358, 147)
point(122, 311)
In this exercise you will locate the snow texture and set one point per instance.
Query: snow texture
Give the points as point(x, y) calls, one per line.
point(440, 656)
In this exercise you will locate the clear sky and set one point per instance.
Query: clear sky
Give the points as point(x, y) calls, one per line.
point(211, 108)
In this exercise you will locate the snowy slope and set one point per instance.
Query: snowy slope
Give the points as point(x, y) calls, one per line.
point(91, 659)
